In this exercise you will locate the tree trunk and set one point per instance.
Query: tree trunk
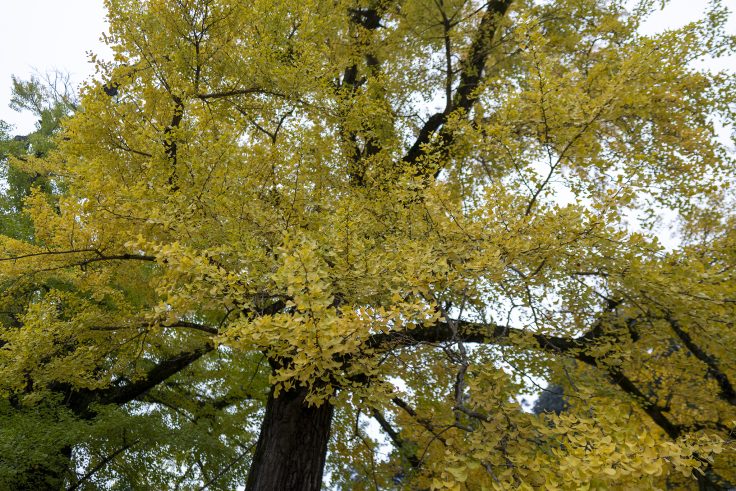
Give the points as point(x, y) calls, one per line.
point(292, 447)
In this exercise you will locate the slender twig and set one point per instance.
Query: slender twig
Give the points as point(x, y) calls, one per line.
point(101, 464)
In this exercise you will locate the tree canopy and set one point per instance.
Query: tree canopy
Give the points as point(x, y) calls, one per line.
point(268, 226)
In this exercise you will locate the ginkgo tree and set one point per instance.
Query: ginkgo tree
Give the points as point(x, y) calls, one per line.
point(277, 221)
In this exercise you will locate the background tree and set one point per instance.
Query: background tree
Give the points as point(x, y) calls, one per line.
point(50, 98)
point(393, 210)
point(41, 434)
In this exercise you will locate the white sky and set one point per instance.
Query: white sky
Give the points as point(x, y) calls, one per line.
point(42, 35)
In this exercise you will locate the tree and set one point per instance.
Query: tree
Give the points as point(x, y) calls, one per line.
point(33, 459)
point(402, 211)
point(50, 98)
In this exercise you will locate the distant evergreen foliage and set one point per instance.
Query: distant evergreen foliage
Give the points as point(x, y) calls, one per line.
point(551, 400)
point(50, 98)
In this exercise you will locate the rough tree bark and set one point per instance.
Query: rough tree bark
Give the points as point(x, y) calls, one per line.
point(292, 447)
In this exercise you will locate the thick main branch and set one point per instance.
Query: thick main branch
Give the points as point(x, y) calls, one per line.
point(471, 77)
